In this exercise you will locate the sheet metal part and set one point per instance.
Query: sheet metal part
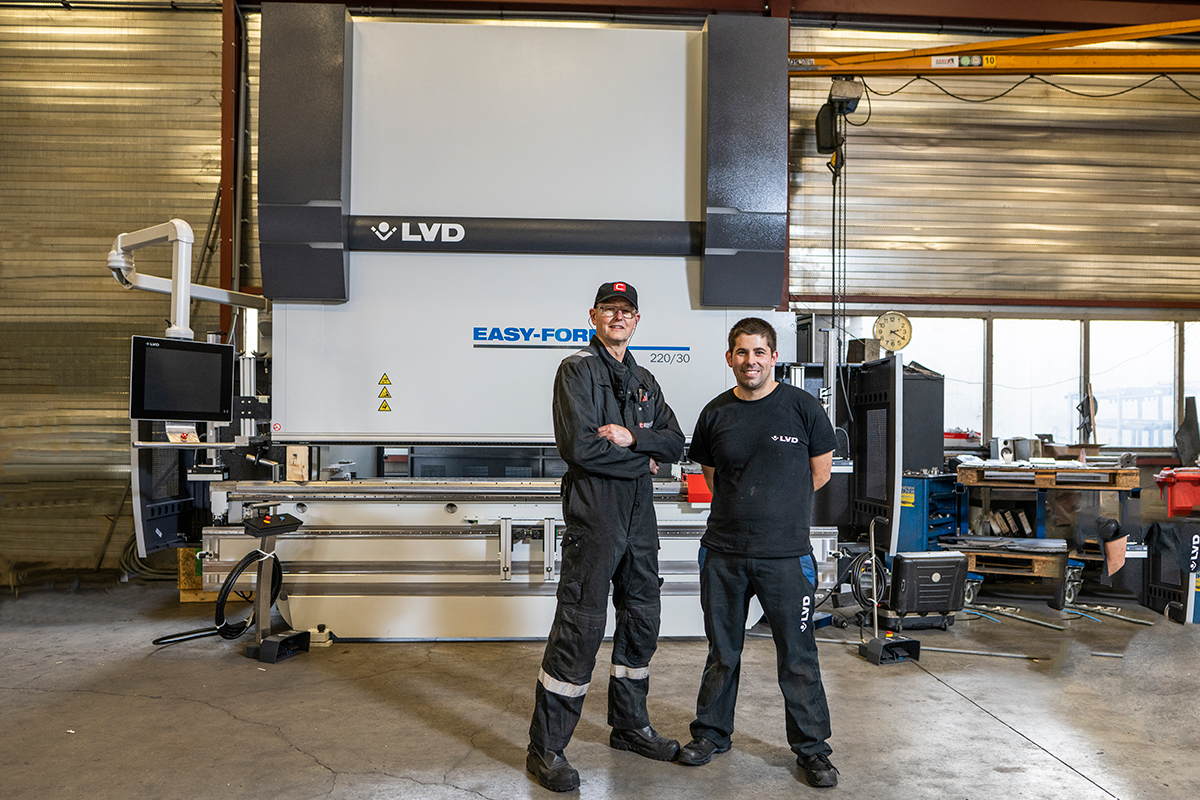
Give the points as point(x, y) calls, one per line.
point(1108, 612)
point(1011, 613)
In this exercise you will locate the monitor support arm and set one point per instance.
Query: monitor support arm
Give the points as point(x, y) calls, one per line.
point(180, 287)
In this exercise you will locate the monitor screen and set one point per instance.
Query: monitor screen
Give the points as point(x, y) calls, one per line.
point(175, 379)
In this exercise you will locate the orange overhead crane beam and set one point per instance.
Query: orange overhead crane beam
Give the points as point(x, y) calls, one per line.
point(1032, 55)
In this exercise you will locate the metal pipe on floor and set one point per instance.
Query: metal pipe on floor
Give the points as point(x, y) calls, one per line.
point(952, 650)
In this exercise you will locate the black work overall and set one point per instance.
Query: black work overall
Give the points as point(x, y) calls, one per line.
point(611, 538)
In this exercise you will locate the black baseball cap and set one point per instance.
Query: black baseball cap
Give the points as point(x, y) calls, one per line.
point(616, 289)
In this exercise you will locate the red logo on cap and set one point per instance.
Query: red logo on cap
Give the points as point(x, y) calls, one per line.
point(618, 287)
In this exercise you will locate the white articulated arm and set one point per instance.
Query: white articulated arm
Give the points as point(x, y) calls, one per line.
point(180, 287)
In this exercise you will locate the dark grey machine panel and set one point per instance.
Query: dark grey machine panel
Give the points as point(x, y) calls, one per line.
point(304, 151)
point(746, 139)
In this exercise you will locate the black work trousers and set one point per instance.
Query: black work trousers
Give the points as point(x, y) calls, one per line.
point(726, 585)
point(611, 538)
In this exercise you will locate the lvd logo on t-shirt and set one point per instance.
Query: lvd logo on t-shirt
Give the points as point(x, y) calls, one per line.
point(788, 439)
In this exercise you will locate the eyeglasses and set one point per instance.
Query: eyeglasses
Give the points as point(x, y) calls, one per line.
point(608, 312)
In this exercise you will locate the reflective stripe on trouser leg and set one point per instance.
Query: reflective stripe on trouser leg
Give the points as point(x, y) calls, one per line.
point(562, 687)
point(633, 673)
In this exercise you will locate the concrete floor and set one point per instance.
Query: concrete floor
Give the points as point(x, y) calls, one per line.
point(92, 710)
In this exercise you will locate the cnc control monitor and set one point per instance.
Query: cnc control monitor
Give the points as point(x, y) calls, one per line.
point(175, 379)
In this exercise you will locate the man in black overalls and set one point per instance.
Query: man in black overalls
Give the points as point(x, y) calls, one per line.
point(613, 429)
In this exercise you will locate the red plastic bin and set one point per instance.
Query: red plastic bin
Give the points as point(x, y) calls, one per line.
point(1182, 486)
point(697, 489)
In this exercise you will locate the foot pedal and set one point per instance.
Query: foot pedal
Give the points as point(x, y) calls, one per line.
point(891, 650)
point(280, 646)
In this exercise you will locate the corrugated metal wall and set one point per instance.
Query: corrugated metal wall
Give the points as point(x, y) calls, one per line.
point(1041, 196)
point(109, 122)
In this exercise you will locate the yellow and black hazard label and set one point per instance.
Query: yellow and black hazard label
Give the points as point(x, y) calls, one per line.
point(384, 380)
point(384, 406)
point(384, 392)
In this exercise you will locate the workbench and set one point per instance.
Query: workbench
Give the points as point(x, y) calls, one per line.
point(1063, 478)
point(1042, 479)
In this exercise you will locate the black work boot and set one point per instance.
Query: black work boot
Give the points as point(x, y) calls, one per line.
point(645, 742)
point(551, 769)
point(818, 771)
point(699, 751)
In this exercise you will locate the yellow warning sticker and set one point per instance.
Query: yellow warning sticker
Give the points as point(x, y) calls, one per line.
point(908, 497)
point(384, 392)
point(384, 380)
point(384, 406)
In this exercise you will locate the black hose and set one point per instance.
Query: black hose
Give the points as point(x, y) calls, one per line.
point(232, 630)
point(221, 626)
point(184, 636)
point(858, 567)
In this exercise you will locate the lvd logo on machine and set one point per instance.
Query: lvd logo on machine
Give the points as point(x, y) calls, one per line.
point(449, 231)
point(1195, 565)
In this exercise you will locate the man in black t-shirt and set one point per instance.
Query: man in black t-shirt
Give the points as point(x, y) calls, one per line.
point(765, 448)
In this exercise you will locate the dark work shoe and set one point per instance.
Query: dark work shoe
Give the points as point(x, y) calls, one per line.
point(645, 742)
point(551, 769)
point(699, 751)
point(818, 771)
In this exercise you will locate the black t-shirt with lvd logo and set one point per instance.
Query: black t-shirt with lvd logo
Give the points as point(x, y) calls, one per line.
point(762, 487)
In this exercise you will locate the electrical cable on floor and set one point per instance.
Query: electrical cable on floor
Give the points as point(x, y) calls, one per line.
point(221, 626)
point(977, 614)
point(131, 564)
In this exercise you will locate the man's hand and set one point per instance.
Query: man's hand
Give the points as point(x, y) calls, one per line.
point(653, 467)
point(616, 434)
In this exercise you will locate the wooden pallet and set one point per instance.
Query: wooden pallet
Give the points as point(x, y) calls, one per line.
point(1089, 479)
point(197, 596)
point(191, 585)
point(1006, 562)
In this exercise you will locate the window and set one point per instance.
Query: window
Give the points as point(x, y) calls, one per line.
point(953, 347)
point(1191, 360)
point(1035, 375)
point(1132, 371)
